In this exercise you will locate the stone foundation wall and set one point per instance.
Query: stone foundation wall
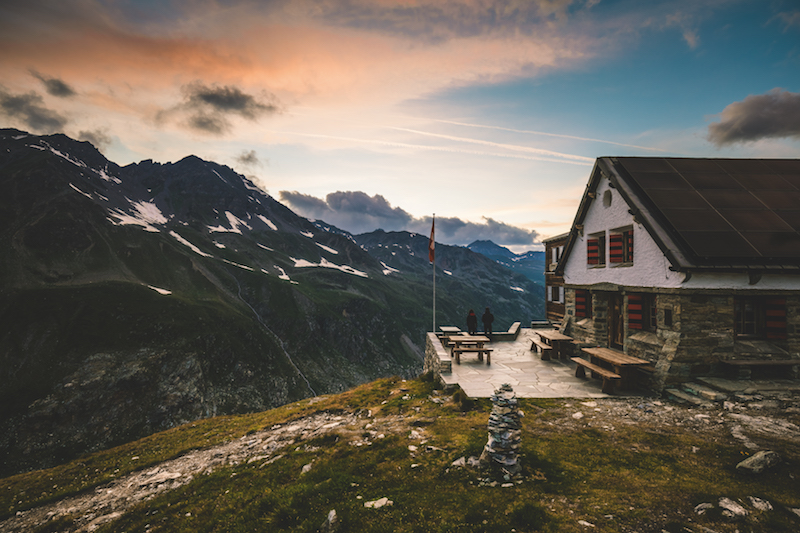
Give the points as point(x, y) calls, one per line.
point(437, 359)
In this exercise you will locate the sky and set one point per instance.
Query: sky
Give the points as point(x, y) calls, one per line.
point(375, 114)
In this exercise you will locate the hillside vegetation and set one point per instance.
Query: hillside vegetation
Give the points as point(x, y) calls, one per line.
point(621, 465)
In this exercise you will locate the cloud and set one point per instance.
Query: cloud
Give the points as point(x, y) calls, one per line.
point(435, 21)
point(99, 138)
point(771, 115)
point(55, 86)
point(357, 212)
point(207, 108)
point(790, 19)
point(30, 110)
point(249, 158)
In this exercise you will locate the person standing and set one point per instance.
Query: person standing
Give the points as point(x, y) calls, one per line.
point(472, 322)
point(487, 320)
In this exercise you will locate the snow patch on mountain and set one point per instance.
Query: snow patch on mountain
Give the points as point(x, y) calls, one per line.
point(146, 214)
point(191, 246)
point(245, 267)
point(234, 222)
point(159, 290)
point(268, 222)
point(388, 270)
point(327, 249)
point(324, 263)
point(87, 195)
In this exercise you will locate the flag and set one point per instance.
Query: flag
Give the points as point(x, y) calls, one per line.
point(432, 243)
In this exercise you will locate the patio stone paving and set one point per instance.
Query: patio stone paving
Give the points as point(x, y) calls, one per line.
point(514, 363)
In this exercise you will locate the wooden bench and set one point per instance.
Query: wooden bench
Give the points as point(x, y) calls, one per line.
point(609, 377)
point(473, 349)
point(744, 366)
point(538, 345)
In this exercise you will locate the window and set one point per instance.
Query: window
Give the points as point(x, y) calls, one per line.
point(596, 249)
point(557, 294)
point(620, 246)
point(643, 312)
point(759, 317)
point(583, 304)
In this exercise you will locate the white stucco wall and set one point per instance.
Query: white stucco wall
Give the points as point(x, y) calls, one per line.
point(650, 266)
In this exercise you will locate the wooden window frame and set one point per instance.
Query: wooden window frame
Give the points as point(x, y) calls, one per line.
point(596, 250)
point(759, 317)
point(583, 303)
point(642, 313)
point(620, 246)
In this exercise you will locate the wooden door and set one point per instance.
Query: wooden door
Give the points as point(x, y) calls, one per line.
point(616, 323)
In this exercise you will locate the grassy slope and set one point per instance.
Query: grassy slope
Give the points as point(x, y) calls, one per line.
point(645, 479)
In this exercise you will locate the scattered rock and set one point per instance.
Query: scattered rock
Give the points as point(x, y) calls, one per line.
point(584, 523)
point(461, 461)
point(702, 508)
point(758, 503)
point(306, 468)
point(377, 504)
point(759, 462)
point(732, 510)
point(331, 523)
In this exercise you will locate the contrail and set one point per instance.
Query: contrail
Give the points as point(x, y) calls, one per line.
point(563, 136)
point(497, 145)
point(553, 156)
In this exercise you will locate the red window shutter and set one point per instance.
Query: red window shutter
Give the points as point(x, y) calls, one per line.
point(593, 251)
point(775, 311)
point(615, 248)
point(580, 303)
point(635, 311)
point(630, 245)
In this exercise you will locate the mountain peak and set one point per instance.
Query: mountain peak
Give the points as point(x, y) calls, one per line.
point(489, 248)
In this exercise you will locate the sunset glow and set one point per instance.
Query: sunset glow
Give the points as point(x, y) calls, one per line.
point(489, 114)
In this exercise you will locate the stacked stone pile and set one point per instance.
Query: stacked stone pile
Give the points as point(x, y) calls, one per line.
point(502, 447)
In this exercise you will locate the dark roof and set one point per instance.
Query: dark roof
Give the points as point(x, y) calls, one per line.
point(711, 213)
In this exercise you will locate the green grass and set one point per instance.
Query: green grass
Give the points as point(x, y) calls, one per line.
point(629, 479)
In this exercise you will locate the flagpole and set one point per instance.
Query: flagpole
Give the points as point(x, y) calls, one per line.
point(432, 256)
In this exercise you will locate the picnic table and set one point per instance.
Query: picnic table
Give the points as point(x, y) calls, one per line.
point(600, 358)
point(550, 339)
point(470, 344)
point(449, 330)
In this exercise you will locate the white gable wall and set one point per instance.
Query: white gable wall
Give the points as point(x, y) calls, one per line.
point(650, 266)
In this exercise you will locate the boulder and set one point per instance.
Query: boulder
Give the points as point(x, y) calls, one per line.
point(732, 510)
point(331, 523)
point(759, 462)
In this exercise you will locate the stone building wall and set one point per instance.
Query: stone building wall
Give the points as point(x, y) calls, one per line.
point(701, 333)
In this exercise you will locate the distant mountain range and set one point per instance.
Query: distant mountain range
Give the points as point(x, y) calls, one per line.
point(135, 298)
point(530, 264)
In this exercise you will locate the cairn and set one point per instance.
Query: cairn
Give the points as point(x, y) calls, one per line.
point(504, 432)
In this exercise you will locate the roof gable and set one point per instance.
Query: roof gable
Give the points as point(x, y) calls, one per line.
point(710, 213)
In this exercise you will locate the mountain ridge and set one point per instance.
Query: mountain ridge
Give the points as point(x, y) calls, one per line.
point(140, 297)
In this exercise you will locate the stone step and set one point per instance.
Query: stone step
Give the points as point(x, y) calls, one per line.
point(685, 397)
point(704, 391)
